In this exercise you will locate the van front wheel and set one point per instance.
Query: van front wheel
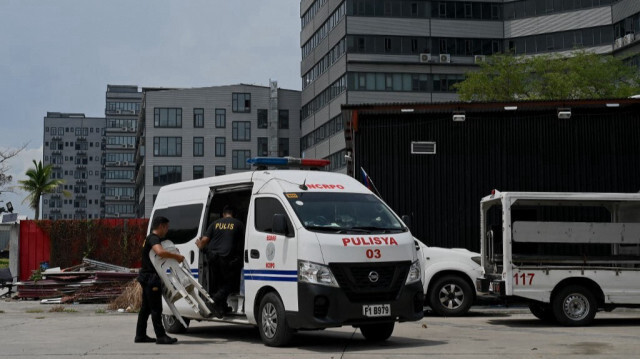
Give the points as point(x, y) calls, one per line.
point(377, 332)
point(273, 326)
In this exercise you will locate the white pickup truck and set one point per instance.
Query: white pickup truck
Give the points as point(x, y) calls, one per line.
point(448, 276)
point(568, 254)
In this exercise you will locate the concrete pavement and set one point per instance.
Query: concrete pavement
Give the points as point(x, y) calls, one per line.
point(29, 330)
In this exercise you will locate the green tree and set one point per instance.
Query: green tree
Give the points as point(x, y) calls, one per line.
point(582, 75)
point(38, 183)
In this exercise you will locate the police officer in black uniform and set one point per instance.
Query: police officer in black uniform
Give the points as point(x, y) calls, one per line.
point(224, 243)
point(152, 285)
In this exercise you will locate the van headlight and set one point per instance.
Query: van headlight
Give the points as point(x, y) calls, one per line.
point(414, 273)
point(310, 272)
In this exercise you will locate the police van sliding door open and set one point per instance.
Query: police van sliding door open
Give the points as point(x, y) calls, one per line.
point(238, 196)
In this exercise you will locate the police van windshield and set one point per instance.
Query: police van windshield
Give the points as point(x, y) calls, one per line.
point(343, 213)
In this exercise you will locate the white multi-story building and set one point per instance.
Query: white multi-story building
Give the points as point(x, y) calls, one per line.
point(73, 146)
point(186, 134)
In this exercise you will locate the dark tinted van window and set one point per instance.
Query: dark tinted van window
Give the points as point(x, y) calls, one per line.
point(183, 221)
point(265, 209)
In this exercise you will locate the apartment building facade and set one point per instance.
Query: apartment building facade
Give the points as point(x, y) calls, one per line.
point(381, 51)
point(122, 107)
point(73, 147)
point(186, 134)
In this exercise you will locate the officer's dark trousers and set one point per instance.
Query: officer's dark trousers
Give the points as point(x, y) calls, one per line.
point(225, 274)
point(151, 305)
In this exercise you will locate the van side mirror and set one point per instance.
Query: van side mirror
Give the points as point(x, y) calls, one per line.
point(279, 224)
point(407, 220)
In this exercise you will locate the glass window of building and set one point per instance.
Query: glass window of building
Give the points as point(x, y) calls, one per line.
point(198, 172)
point(198, 117)
point(241, 102)
point(164, 175)
point(167, 146)
point(220, 146)
point(263, 118)
point(221, 118)
point(220, 170)
point(239, 159)
point(283, 147)
point(283, 119)
point(241, 131)
point(263, 146)
point(198, 146)
point(167, 117)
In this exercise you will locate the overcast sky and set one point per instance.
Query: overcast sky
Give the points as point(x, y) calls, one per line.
point(60, 55)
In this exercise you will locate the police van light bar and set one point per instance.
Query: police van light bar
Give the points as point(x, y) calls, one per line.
point(287, 161)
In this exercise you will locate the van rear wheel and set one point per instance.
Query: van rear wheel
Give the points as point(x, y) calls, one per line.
point(172, 324)
point(377, 332)
point(272, 323)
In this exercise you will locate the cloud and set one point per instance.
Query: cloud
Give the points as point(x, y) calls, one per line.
point(18, 165)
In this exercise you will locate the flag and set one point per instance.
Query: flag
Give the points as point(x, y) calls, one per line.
point(365, 178)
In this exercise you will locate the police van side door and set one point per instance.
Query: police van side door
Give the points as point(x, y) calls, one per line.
point(270, 258)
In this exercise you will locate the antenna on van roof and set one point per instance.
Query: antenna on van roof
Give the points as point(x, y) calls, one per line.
point(303, 186)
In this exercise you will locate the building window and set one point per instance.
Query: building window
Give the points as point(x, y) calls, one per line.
point(263, 118)
point(220, 170)
point(283, 147)
point(167, 146)
point(239, 159)
point(241, 102)
point(198, 172)
point(164, 175)
point(198, 146)
point(220, 147)
point(283, 119)
point(198, 117)
point(167, 117)
point(241, 131)
point(221, 118)
point(263, 146)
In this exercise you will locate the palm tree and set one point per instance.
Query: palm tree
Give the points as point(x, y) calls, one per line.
point(38, 183)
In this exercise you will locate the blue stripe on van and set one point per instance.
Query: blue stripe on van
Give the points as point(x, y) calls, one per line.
point(270, 272)
point(271, 279)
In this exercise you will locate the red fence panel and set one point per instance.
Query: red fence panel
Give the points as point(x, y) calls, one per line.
point(35, 248)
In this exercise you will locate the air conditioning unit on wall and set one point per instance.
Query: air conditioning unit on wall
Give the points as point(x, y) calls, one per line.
point(425, 58)
point(478, 59)
point(628, 38)
point(445, 58)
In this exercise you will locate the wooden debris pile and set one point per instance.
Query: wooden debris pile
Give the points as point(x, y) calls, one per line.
point(89, 282)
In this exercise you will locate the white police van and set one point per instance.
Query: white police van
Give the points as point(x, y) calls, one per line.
point(320, 250)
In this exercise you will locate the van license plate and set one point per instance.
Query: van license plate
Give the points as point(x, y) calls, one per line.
point(377, 310)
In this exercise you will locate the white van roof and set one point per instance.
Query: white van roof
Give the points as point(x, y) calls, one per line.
point(264, 181)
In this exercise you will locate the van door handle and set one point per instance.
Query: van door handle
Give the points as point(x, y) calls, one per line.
point(255, 254)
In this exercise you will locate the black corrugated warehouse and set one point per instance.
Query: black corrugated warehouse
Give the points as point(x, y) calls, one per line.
point(521, 146)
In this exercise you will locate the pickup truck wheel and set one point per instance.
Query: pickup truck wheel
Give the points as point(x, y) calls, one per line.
point(574, 306)
point(272, 323)
point(377, 332)
point(450, 296)
point(173, 325)
point(542, 311)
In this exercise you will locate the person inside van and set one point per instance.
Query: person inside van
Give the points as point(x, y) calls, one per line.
point(224, 244)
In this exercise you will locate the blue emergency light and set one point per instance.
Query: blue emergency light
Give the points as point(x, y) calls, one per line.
point(287, 161)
